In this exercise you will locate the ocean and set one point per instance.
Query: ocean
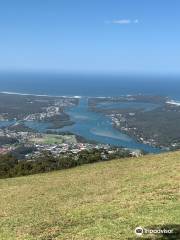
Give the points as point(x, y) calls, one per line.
point(90, 85)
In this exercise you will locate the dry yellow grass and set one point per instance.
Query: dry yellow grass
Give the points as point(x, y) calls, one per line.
point(101, 201)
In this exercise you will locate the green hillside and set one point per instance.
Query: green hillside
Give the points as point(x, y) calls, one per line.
point(100, 201)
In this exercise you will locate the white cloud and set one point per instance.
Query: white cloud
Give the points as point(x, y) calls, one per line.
point(123, 21)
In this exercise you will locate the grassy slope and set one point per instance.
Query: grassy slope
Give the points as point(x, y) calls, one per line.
point(98, 201)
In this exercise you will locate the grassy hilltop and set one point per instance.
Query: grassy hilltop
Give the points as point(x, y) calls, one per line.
point(101, 201)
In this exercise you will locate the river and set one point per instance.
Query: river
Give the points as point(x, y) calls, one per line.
point(98, 127)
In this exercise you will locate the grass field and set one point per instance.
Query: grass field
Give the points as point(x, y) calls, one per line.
point(55, 139)
point(101, 201)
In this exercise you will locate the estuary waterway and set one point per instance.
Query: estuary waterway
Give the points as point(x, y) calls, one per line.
point(98, 127)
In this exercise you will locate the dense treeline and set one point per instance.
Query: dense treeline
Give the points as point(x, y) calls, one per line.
point(11, 167)
point(20, 127)
point(7, 140)
point(59, 121)
point(21, 151)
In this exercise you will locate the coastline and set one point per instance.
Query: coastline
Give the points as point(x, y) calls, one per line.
point(37, 95)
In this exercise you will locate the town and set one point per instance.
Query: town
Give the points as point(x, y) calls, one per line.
point(29, 145)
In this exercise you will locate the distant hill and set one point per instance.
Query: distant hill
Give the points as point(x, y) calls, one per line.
point(101, 201)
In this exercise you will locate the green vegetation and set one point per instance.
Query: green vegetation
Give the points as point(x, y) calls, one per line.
point(10, 166)
point(161, 125)
point(59, 121)
point(7, 140)
point(19, 127)
point(101, 201)
point(20, 152)
point(54, 139)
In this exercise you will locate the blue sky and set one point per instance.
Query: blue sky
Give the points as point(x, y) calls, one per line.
point(141, 36)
